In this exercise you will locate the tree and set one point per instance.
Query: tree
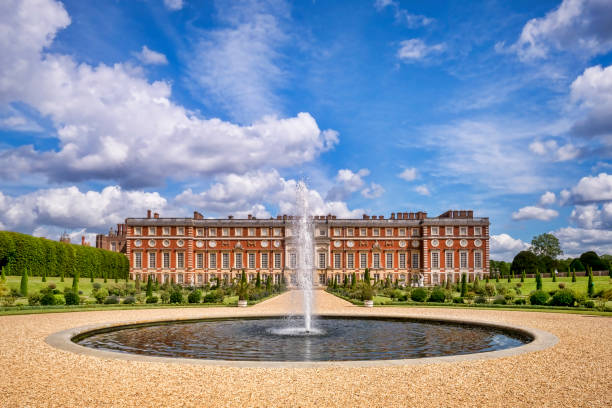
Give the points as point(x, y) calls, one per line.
point(554, 275)
point(463, 285)
point(576, 265)
point(546, 245)
point(136, 285)
point(590, 285)
point(366, 276)
point(573, 276)
point(44, 277)
point(3, 277)
point(525, 260)
point(354, 281)
point(591, 260)
point(523, 276)
point(75, 282)
point(23, 288)
point(150, 287)
point(258, 281)
point(476, 283)
point(538, 280)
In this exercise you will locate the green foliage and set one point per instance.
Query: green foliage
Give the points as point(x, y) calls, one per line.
point(354, 281)
point(195, 296)
point(523, 276)
point(23, 287)
point(152, 299)
point(366, 276)
point(573, 276)
point(437, 295)
point(34, 299)
point(149, 286)
point(72, 298)
point(111, 300)
point(564, 297)
point(176, 296)
point(100, 295)
point(130, 300)
point(367, 293)
point(554, 276)
point(499, 300)
point(590, 285)
point(44, 277)
point(258, 281)
point(3, 276)
point(463, 285)
point(418, 294)
point(538, 280)
point(546, 245)
point(480, 300)
point(591, 260)
point(48, 299)
point(75, 283)
point(525, 260)
point(538, 297)
point(577, 265)
point(136, 285)
point(458, 299)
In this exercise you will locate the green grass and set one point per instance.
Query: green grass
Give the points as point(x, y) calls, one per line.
point(35, 283)
point(600, 282)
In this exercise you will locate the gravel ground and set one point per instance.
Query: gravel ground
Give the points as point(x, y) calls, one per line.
point(577, 372)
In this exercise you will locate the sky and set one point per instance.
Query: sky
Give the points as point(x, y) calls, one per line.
point(111, 108)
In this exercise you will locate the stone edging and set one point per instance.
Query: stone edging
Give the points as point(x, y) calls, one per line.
point(541, 340)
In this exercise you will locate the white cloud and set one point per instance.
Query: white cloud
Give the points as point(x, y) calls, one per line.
point(592, 216)
point(504, 247)
point(534, 213)
point(19, 123)
point(590, 189)
point(575, 241)
point(70, 208)
point(347, 182)
point(579, 26)
point(408, 174)
point(239, 67)
point(112, 124)
point(548, 198)
point(147, 56)
point(402, 15)
point(551, 149)
point(415, 49)
point(422, 190)
point(246, 194)
point(373, 191)
point(592, 93)
point(174, 4)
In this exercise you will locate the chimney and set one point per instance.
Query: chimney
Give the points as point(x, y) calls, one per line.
point(250, 216)
point(470, 214)
point(83, 240)
point(406, 216)
point(156, 215)
point(392, 216)
point(365, 216)
point(230, 217)
point(148, 213)
point(279, 217)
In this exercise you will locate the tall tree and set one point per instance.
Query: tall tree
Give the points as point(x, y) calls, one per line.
point(546, 245)
point(525, 260)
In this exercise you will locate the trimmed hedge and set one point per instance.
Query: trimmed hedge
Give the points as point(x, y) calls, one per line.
point(43, 257)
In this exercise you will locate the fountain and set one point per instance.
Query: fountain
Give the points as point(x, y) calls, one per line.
point(305, 252)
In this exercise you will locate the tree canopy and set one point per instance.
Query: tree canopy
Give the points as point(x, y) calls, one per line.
point(525, 261)
point(546, 245)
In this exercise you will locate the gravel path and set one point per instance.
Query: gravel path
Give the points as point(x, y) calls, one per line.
point(577, 372)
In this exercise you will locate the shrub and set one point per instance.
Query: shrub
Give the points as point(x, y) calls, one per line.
point(538, 297)
point(111, 300)
point(176, 296)
point(59, 300)
point(152, 299)
point(437, 295)
point(130, 300)
point(195, 296)
point(564, 297)
point(418, 295)
point(489, 289)
point(589, 304)
point(501, 289)
point(23, 287)
point(100, 295)
point(34, 299)
point(458, 299)
point(367, 293)
point(520, 301)
point(561, 285)
point(51, 286)
point(165, 297)
point(71, 298)
point(480, 300)
point(499, 300)
point(212, 297)
point(48, 299)
point(463, 284)
point(97, 285)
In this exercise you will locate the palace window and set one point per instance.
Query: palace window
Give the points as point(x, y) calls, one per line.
point(375, 232)
point(277, 260)
point(225, 260)
point(389, 232)
point(166, 231)
point(114, 246)
point(251, 260)
point(200, 232)
point(277, 232)
point(180, 260)
point(293, 260)
point(402, 261)
point(337, 232)
point(238, 232)
point(402, 232)
point(435, 260)
point(212, 261)
point(376, 277)
point(449, 230)
point(199, 260)
point(337, 261)
point(200, 279)
point(137, 230)
point(225, 232)
point(137, 260)
point(322, 263)
point(462, 230)
point(350, 232)
point(478, 260)
point(252, 232)
point(415, 260)
point(389, 256)
point(376, 261)
point(238, 260)
point(449, 264)
point(463, 260)
point(180, 278)
point(264, 261)
point(477, 230)
point(435, 230)
point(264, 232)
point(151, 259)
point(322, 232)
point(415, 232)
point(166, 260)
point(363, 260)
point(350, 261)
point(212, 232)
point(180, 230)
point(151, 230)
point(363, 232)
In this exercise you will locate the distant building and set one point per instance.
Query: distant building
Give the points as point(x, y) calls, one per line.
point(115, 240)
point(410, 248)
point(65, 238)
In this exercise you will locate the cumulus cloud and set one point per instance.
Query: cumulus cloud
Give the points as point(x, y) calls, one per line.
point(373, 191)
point(548, 198)
point(590, 189)
point(592, 93)
point(408, 174)
point(593, 216)
point(416, 49)
point(551, 149)
point(575, 241)
point(403, 16)
point(534, 213)
point(148, 56)
point(504, 247)
point(253, 192)
point(422, 190)
point(113, 124)
point(578, 26)
point(347, 182)
point(173, 4)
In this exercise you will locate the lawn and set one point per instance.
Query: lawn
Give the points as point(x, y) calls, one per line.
point(601, 282)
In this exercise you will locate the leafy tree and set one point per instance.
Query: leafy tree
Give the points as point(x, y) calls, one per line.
point(554, 276)
point(354, 281)
point(23, 287)
point(150, 287)
point(538, 280)
point(577, 265)
point(591, 259)
point(75, 282)
point(523, 276)
point(590, 285)
point(573, 276)
point(269, 283)
point(44, 277)
point(366, 276)
point(525, 260)
point(258, 281)
point(463, 285)
point(136, 285)
point(476, 283)
point(546, 245)
point(3, 277)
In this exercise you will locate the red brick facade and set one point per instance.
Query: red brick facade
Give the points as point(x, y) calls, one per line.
point(405, 247)
point(115, 241)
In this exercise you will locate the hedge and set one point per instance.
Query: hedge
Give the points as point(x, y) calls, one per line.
point(41, 256)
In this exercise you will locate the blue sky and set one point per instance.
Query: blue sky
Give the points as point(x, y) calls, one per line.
point(381, 106)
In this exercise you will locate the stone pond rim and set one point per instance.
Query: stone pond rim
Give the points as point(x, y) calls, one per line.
point(540, 340)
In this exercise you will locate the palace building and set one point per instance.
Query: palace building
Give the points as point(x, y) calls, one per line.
point(410, 248)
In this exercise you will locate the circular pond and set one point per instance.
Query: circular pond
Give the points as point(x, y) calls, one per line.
point(280, 339)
